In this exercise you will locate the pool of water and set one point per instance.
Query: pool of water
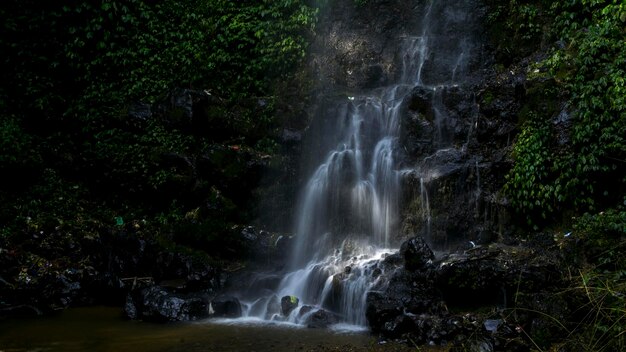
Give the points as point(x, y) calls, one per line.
point(104, 329)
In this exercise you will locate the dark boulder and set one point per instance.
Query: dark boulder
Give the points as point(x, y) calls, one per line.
point(226, 306)
point(304, 311)
point(416, 253)
point(392, 261)
point(407, 293)
point(320, 319)
point(420, 101)
point(158, 304)
point(288, 304)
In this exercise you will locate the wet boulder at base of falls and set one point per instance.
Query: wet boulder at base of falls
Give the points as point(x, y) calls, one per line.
point(158, 304)
point(320, 319)
point(408, 294)
point(316, 318)
point(226, 306)
point(288, 304)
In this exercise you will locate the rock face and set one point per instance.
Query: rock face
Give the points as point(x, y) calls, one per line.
point(457, 124)
point(416, 253)
point(425, 299)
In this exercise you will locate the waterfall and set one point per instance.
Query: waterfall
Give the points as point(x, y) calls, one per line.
point(348, 212)
point(347, 216)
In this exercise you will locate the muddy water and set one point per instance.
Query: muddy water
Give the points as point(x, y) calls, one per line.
point(103, 329)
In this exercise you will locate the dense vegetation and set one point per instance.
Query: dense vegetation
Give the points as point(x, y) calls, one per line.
point(588, 64)
point(569, 171)
point(97, 131)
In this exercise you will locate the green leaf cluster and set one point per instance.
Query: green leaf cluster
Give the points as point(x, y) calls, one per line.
point(588, 64)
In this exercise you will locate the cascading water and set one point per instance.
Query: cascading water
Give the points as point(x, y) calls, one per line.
point(349, 208)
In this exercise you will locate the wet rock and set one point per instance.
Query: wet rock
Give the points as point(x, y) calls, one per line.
point(484, 278)
point(158, 304)
point(406, 294)
point(304, 311)
point(288, 304)
point(416, 253)
point(490, 275)
point(392, 261)
point(563, 125)
point(355, 46)
point(226, 306)
point(321, 319)
point(420, 101)
point(374, 76)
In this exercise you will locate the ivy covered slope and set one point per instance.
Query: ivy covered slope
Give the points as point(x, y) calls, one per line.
point(139, 119)
point(568, 175)
point(583, 169)
point(569, 158)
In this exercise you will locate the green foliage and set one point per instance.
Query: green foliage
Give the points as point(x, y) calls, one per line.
point(532, 185)
point(73, 68)
point(526, 24)
point(595, 61)
point(603, 234)
point(586, 174)
point(132, 160)
point(254, 40)
point(83, 57)
point(589, 65)
point(53, 204)
point(518, 26)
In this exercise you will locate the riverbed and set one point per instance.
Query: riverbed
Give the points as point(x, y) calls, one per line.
point(104, 329)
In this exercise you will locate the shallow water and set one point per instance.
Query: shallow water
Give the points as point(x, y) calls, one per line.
point(103, 329)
